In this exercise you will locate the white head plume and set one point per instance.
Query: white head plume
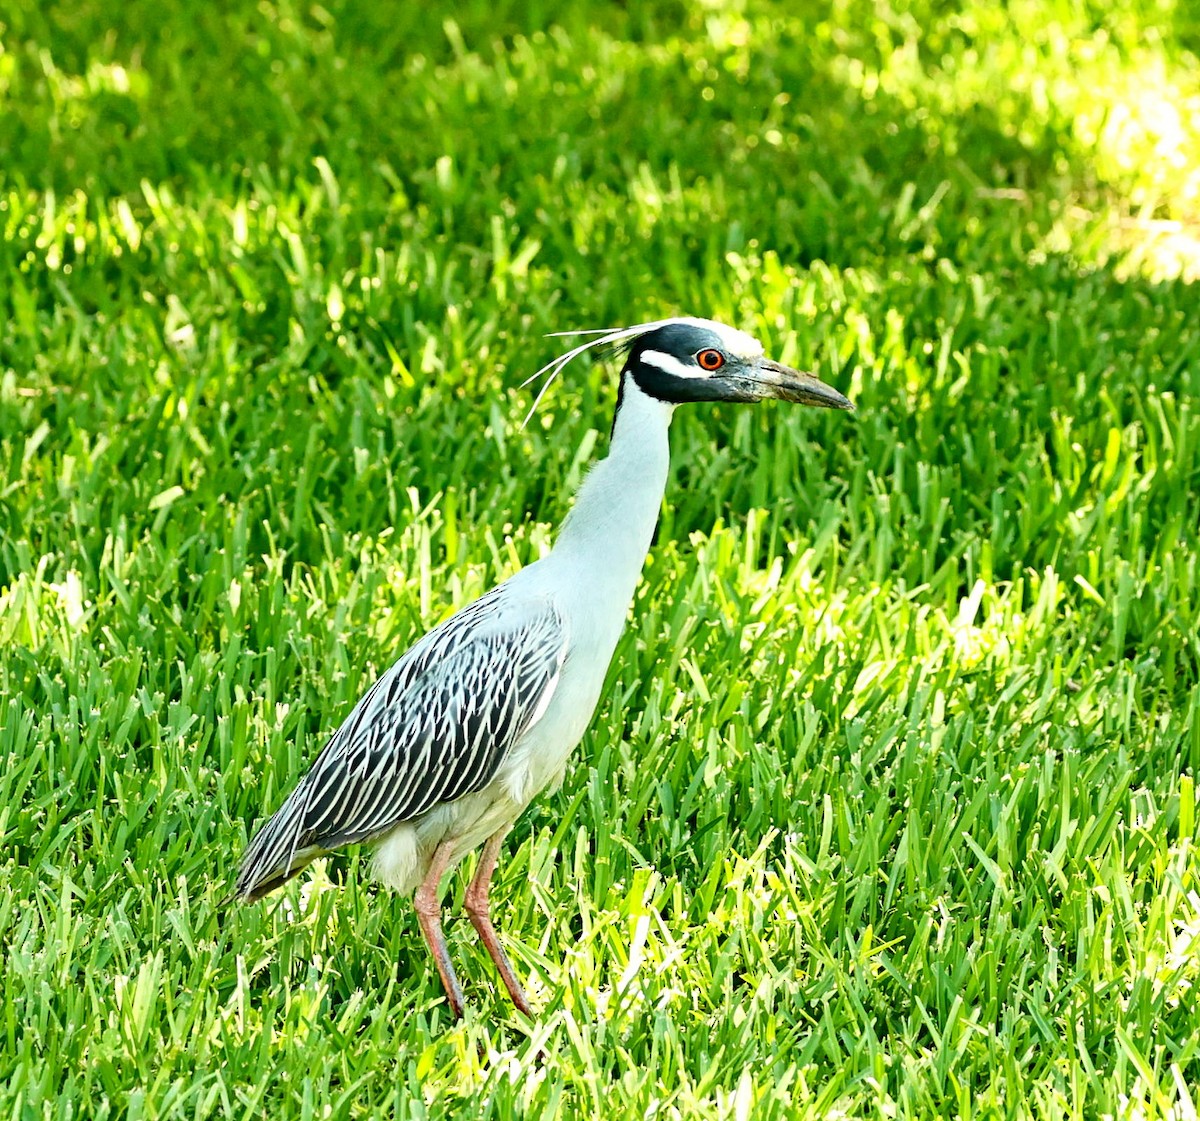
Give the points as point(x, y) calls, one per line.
point(606, 336)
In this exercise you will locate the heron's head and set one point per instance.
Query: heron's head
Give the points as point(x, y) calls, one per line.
point(683, 360)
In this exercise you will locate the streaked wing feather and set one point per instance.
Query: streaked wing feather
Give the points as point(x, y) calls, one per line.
point(434, 728)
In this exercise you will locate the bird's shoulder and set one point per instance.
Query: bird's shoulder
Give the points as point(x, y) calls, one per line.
point(507, 616)
point(508, 627)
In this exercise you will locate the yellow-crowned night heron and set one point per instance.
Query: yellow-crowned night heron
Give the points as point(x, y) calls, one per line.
point(451, 744)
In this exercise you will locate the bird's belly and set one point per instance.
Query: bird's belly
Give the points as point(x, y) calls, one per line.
point(402, 857)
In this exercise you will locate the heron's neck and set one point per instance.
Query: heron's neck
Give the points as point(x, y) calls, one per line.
point(608, 532)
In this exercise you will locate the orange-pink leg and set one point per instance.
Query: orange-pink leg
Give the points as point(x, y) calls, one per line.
point(479, 911)
point(428, 904)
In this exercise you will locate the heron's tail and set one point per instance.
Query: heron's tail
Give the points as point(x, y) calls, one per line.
point(278, 851)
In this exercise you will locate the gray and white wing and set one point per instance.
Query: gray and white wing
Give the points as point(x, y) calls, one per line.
point(433, 728)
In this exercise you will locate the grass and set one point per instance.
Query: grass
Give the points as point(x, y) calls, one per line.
point(889, 809)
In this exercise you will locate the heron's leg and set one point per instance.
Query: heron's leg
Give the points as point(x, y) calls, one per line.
point(479, 911)
point(428, 904)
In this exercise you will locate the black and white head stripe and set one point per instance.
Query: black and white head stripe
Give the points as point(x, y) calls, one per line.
point(669, 364)
point(682, 331)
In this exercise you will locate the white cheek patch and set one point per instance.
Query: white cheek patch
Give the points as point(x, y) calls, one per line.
point(669, 364)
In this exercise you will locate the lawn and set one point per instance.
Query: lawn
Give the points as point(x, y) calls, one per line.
point(889, 806)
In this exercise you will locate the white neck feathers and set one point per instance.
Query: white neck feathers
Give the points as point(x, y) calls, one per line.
point(608, 532)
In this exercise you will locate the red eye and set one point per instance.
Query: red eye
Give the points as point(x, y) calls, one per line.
point(710, 359)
